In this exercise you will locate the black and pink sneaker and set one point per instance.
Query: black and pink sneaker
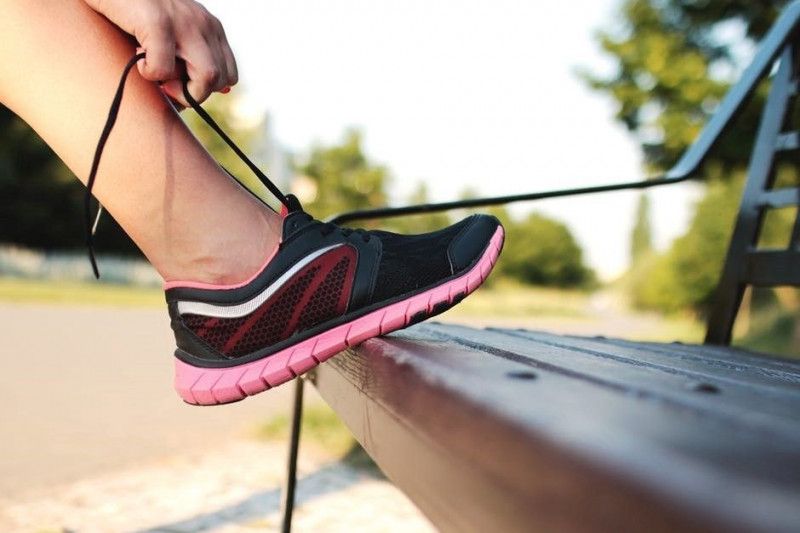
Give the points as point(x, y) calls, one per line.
point(326, 288)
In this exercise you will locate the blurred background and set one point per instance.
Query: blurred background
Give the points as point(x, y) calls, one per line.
point(355, 104)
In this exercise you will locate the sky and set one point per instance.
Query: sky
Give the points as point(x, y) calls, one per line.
point(458, 94)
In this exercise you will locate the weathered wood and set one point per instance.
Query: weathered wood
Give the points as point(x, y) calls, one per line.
point(502, 430)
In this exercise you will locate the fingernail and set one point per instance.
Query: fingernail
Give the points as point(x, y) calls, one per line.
point(225, 90)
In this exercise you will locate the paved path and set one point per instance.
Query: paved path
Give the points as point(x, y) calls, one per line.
point(87, 389)
point(208, 492)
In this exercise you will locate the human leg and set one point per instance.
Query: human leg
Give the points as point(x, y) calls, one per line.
point(59, 65)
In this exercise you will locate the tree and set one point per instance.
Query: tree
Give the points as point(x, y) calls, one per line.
point(673, 66)
point(685, 276)
point(542, 251)
point(343, 178)
point(642, 235)
point(537, 251)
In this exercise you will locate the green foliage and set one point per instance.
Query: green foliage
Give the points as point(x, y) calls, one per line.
point(344, 178)
point(538, 251)
point(321, 427)
point(776, 333)
point(685, 277)
point(542, 251)
point(83, 293)
point(672, 70)
point(642, 234)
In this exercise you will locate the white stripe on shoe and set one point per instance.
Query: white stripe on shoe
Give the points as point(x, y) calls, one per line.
point(240, 310)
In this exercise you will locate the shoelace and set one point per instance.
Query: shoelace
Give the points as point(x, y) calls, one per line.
point(326, 228)
point(289, 201)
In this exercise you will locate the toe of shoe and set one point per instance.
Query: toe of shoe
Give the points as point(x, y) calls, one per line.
point(471, 241)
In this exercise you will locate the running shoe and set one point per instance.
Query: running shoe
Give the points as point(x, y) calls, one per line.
point(326, 288)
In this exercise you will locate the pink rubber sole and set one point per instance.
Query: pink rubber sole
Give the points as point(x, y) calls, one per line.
point(214, 386)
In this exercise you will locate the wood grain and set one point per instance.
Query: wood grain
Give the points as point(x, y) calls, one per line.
point(500, 430)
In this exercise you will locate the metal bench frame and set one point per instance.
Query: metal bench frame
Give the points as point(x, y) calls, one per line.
point(744, 264)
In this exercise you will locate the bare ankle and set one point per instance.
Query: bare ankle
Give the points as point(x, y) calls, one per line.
point(227, 257)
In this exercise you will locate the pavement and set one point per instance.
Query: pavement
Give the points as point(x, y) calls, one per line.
point(234, 488)
point(88, 389)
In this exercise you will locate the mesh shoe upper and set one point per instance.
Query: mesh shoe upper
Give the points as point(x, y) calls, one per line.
point(412, 262)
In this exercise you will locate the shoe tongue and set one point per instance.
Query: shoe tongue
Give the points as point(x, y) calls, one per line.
point(292, 205)
point(293, 222)
point(294, 218)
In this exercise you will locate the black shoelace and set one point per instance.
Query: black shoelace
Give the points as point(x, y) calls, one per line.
point(326, 228)
point(288, 201)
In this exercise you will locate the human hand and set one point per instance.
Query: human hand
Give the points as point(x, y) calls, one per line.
point(169, 30)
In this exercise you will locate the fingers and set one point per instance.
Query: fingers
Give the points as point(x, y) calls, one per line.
point(210, 64)
point(159, 46)
point(168, 30)
point(230, 60)
point(206, 74)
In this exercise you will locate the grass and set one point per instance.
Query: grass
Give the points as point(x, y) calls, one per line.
point(773, 334)
point(321, 428)
point(78, 293)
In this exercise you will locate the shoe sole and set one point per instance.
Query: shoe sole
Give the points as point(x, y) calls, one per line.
point(216, 386)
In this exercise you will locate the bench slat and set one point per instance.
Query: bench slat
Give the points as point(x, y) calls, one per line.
point(653, 376)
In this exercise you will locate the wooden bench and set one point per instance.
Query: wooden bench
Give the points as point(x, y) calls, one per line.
point(509, 430)
point(515, 430)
